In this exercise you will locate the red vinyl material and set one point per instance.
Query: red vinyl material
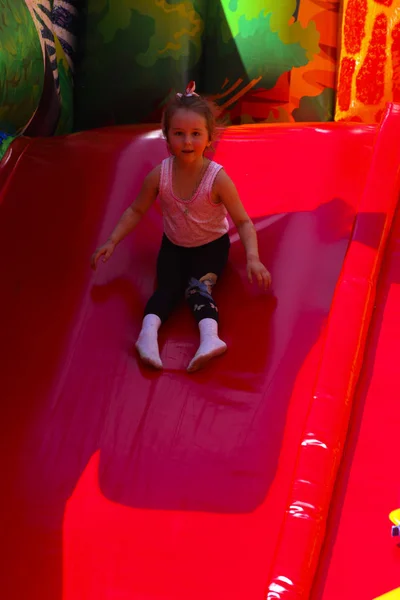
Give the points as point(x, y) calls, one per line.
point(342, 355)
point(358, 539)
point(121, 483)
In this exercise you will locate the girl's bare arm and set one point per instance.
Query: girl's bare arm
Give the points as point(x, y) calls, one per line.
point(229, 196)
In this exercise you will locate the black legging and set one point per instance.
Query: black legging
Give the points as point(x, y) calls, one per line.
point(181, 272)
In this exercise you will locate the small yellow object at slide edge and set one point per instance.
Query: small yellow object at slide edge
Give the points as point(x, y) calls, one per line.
point(393, 595)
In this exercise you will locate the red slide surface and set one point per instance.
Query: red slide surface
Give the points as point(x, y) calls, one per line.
point(121, 483)
point(359, 559)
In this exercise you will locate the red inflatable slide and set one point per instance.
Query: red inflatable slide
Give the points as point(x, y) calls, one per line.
point(120, 483)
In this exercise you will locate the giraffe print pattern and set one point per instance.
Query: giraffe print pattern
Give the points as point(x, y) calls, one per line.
point(369, 67)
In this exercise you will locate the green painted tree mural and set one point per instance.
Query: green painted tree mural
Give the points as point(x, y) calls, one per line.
point(256, 44)
point(37, 53)
point(21, 66)
point(134, 54)
point(139, 52)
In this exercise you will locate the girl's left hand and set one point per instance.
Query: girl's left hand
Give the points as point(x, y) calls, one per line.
point(261, 274)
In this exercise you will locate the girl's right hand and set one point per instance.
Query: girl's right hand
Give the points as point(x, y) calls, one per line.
point(105, 251)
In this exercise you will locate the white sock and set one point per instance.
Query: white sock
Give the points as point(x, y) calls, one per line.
point(210, 344)
point(147, 343)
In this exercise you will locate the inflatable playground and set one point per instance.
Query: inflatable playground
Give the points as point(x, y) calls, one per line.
point(271, 473)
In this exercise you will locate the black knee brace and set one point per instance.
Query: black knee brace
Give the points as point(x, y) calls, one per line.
point(200, 300)
point(197, 287)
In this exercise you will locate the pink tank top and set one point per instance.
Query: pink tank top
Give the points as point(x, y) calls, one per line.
point(196, 221)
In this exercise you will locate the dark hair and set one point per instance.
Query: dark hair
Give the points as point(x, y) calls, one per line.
point(197, 104)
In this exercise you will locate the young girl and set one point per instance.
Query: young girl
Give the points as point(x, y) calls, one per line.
point(195, 195)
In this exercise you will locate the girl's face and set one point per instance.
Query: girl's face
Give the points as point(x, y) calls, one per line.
point(188, 135)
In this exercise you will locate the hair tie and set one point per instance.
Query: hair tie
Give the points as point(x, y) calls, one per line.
point(190, 90)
